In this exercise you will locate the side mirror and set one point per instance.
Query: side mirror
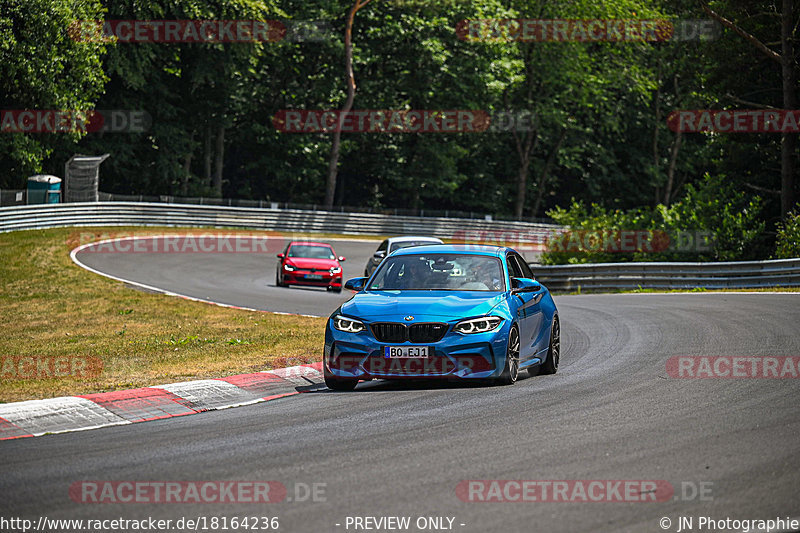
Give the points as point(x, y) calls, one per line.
point(520, 285)
point(280, 256)
point(355, 284)
point(380, 254)
point(342, 259)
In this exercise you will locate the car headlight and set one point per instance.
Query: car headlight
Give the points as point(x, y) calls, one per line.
point(336, 270)
point(288, 268)
point(348, 324)
point(478, 325)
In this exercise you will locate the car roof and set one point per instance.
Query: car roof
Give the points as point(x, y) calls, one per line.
point(476, 249)
point(310, 243)
point(412, 238)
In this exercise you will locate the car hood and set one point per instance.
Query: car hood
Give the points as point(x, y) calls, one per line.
point(398, 304)
point(307, 262)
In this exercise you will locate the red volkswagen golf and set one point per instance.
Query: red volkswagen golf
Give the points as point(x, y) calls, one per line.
point(312, 264)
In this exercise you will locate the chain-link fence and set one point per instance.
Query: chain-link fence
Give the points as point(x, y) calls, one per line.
point(266, 204)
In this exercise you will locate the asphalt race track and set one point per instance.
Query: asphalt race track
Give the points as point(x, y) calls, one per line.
point(611, 413)
point(242, 279)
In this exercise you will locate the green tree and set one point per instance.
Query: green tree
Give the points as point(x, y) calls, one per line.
point(195, 92)
point(788, 241)
point(783, 26)
point(43, 68)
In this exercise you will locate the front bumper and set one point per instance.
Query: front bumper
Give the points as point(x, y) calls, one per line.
point(361, 355)
point(300, 278)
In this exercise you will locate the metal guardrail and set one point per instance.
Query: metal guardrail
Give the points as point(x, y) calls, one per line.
point(283, 220)
point(584, 277)
point(642, 275)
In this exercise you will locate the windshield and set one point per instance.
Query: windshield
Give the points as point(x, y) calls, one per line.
point(409, 244)
point(449, 272)
point(310, 251)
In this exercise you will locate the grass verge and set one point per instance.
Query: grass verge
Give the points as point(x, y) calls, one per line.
point(51, 308)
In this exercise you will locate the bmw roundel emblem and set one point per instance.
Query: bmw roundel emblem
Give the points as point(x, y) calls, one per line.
point(409, 318)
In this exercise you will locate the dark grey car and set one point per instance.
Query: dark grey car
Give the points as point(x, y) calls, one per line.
point(395, 243)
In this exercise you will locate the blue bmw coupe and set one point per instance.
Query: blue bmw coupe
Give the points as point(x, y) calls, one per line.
point(452, 311)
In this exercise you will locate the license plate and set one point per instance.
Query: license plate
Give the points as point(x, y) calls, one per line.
point(313, 276)
point(406, 351)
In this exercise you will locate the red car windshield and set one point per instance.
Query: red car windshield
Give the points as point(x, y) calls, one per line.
point(311, 251)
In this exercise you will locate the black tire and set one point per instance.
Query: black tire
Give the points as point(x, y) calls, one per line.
point(511, 369)
point(337, 289)
point(339, 384)
point(278, 280)
point(550, 365)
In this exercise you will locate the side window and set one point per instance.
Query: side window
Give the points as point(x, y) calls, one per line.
point(526, 270)
point(384, 245)
point(514, 270)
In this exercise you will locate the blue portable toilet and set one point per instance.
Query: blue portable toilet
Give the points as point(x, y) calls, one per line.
point(44, 189)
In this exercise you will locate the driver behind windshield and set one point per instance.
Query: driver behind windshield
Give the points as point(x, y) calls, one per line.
point(415, 275)
point(484, 276)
